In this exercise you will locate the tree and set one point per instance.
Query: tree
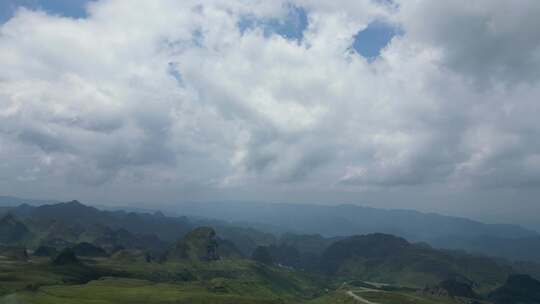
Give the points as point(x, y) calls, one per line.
point(262, 255)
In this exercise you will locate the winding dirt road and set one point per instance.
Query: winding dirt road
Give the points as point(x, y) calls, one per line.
point(359, 298)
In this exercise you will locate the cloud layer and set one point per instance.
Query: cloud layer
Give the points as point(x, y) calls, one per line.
point(229, 96)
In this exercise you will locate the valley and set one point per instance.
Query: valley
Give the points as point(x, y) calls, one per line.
point(73, 253)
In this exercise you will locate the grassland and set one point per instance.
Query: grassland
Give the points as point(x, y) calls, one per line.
point(112, 281)
point(133, 291)
point(108, 281)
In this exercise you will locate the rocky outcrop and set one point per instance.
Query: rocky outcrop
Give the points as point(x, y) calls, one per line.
point(200, 244)
point(453, 288)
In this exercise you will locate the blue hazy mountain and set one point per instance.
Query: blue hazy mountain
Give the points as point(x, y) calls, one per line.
point(351, 219)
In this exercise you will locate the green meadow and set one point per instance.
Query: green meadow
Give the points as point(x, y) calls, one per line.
point(235, 281)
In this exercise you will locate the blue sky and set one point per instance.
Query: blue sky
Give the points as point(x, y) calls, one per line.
point(291, 27)
point(368, 42)
point(67, 8)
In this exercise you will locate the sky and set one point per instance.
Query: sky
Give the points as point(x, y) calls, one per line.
point(417, 104)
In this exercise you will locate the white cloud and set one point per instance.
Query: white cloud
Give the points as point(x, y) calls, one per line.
point(489, 41)
point(171, 95)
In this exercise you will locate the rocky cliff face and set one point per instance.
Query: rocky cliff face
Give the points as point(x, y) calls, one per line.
point(200, 244)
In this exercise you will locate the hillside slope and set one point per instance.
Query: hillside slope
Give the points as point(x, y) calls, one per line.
point(390, 259)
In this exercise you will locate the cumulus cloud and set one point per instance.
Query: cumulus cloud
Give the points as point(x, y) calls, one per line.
point(247, 94)
point(489, 41)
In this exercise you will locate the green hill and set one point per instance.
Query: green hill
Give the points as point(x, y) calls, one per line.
point(85, 249)
point(390, 259)
point(12, 231)
point(518, 289)
point(66, 257)
point(126, 257)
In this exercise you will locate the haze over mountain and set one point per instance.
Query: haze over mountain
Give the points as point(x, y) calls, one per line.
point(511, 242)
point(501, 240)
point(347, 219)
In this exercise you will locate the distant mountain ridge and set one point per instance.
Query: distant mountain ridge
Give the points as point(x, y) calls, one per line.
point(342, 220)
point(243, 222)
point(517, 249)
point(12, 201)
point(497, 240)
point(67, 224)
point(65, 231)
point(327, 220)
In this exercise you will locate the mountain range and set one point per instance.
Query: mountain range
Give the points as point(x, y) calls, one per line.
point(348, 219)
point(83, 244)
point(266, 220)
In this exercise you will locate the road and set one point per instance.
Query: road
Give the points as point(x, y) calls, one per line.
point(359, 298)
